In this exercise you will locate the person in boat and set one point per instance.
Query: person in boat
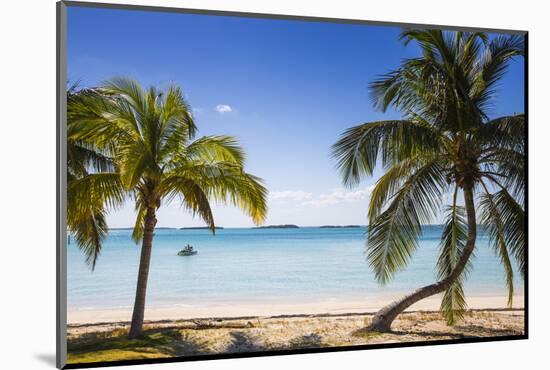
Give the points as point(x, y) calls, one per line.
point(188, 248)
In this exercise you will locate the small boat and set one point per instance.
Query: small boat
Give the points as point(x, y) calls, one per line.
point(187, 251)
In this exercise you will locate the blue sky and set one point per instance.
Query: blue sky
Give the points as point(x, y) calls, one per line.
point(286, 89)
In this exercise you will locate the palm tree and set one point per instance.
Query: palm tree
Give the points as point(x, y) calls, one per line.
point(150, 135)
point(446, 142)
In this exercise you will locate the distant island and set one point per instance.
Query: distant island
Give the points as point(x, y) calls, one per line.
point(338, 226)
point(277, 227)
point(200, 228)
point(131, 228)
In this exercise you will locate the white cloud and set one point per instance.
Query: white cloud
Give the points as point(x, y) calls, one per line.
point(304, 198)
point(289, 196)
point(339, 196)
point(224, 108)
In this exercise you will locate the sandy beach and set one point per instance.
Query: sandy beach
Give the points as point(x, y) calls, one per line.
point(356, 305)
point(189, 337)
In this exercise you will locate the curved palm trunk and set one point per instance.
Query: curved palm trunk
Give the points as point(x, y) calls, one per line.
point(146, 247)
point(383, 319)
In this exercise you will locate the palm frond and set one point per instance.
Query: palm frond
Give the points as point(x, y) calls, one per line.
point(131, 92)
point(512, 216)
point(507, 167)
point(193, 198)
point(216, 148)
point(393, 236)
point(453, 242)
point(94, 191)
point(134, 161)
point(88, 200)
point(492, 66)
point(224, 182)
point(356, 152)
point(176, 113)
point(84, 157)
point(507, 132)
point(90, 230)
point(491, 218)
point(389, 184)
point(139, 224)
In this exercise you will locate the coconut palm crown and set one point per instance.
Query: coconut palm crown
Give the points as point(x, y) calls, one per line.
point(147, 139)
point(446, 143)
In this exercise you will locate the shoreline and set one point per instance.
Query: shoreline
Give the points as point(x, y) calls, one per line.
point(279, 309)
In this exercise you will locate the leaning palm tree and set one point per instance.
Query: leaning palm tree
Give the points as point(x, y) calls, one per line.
point(150, 135)
point(445, 144)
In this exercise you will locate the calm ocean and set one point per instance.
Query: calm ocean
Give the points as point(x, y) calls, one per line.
point(241, 265)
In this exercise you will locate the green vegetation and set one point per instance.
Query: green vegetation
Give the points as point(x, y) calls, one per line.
point(128, 142)
point(115, 346)
point(445, 142)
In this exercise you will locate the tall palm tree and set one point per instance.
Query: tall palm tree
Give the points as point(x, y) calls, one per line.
point(445, 142)
point(150, 135)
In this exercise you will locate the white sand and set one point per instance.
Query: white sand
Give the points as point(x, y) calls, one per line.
point(279, 308)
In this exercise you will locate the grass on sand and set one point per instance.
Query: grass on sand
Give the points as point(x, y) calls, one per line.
point(108, 342)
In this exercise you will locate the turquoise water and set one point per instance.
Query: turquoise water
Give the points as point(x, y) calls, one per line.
point(260, 265)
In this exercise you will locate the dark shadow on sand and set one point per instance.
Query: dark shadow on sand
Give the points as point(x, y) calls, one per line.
point(244, 342)
point(473, 331)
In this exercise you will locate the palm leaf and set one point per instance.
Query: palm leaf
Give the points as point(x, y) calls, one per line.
point(137, 231)
point(224, 182)
point(453, 242)
point(357, 151)
point(216, 148)
point(96, 190)
point(393, 236)
point(193, 198)
point(512, 216)
point(90, 230)
point(389, 184)
point(492, 65)
point(491, 218)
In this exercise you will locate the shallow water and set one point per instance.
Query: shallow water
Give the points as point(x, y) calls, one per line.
point(258, 265)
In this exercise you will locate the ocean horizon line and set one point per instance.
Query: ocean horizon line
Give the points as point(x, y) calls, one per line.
point(257, 227)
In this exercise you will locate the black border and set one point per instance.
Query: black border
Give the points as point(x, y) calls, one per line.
point(61, 61)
